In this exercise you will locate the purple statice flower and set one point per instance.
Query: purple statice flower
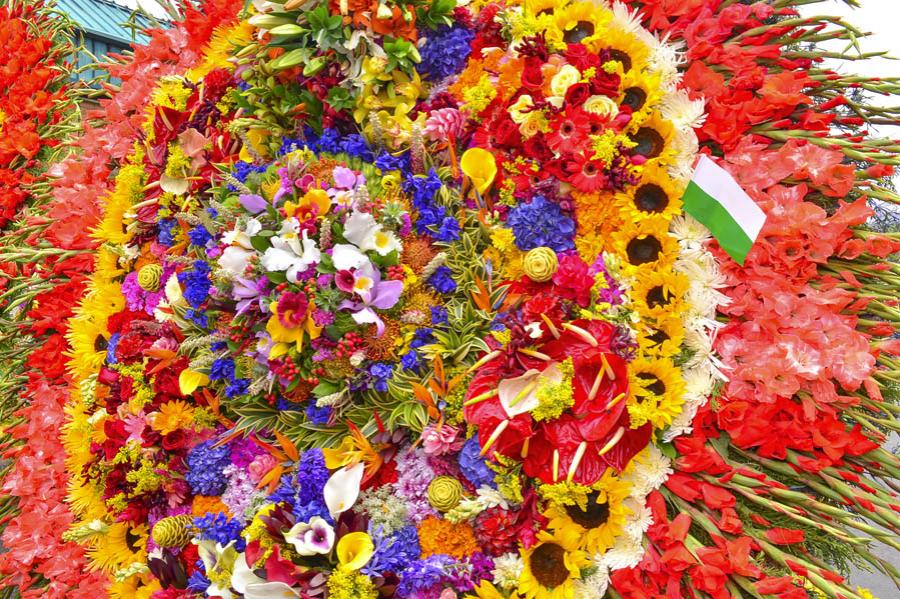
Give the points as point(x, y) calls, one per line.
point(239, 494)
point(139, 299)
point(423, 578)
point(473, 570)
point(473, 465)
point(243, 452)
point(541, 223)
point(206, 465)
point(406, 225)
point(394, 552)
point(287, 184)
point(613, 293)
point(413, 477)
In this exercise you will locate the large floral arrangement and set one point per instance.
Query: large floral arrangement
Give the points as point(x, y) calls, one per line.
point(400, 300)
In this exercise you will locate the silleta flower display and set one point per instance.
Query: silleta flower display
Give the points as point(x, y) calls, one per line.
point(401, 300)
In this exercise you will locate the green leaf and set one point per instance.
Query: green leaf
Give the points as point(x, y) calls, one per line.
point(260, 243)
point(325, 388)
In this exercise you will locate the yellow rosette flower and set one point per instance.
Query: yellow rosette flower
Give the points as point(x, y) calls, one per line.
point(540, 264)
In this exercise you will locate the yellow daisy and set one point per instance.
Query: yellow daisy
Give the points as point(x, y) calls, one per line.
point(172, 415)
point(657, 392)
point(552, 565)
point(599, 518)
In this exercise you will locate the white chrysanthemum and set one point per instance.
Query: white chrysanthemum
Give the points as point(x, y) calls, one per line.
point(685, 147)
point(595, 585)
point(626, 553)
point(626, 19)
point(689, 232)
point(665, 58)
point(640, 519)
point(681, 425)
point(507, 569)
point(698, 382)
point(678, 107)
point(651, 470)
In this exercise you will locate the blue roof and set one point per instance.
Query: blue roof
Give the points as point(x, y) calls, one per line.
point(103, 19)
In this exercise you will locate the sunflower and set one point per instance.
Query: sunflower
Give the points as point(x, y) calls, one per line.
point(128, 190)
point(653, 140)
point(119, 547)
point(655, 194)
point(659, 293)
point(641, 93)
point(623, 46)
point(552, 565)
point(645, 244)
point(579, 22)
point(663, 338)
point(599, 518)
point(657, 392)
point(134, 587)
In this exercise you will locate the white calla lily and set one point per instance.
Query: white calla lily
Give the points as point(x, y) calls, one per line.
point(342, 489)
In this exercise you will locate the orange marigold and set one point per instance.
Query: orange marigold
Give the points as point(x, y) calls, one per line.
point(437, 536)
point(208, 504)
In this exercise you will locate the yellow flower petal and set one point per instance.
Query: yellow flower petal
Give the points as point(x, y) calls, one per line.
point(480, 166)
point(189, 380)
point(354, 550)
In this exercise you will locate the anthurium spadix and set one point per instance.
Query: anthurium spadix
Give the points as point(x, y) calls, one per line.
point(342, 488)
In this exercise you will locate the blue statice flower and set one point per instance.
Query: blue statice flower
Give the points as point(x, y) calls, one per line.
point(205, 466)
point(410, 361)
point(388, 162)
point(355, 145)
point(329, 141)
point(445, 51)
point(422, 336)
point(197, 582)
point(309, 484)
point(439, 316)
point(237, 387)
point(242, 169)
point(212, 212)
point(196, 282)
point(448, 231)
point(198, 317)
point(394, 552)
point(222, 370)
point(221, 529)
point(166, 235)
point(422, 189)
point(318, 415)
point(217, 346)
point(111, 348)
point(442, 281)
point(199, 236)
point(423, 574)
point(380, 373)
point(473, 466)
point(285, 492)
point(541, 223)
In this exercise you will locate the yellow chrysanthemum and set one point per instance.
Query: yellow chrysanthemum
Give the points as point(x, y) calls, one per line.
point(598, 517)
point(657, 392)
point(658, 293)
point(220, 49)
point(552, 565)
point(654, 194)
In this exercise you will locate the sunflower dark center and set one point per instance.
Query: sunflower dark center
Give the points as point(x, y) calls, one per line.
point(548, 565)
point(649, 142)
point(100, 343)
point(641, 251)
point(582, 30)
point(621, 57)
point(131, 540)
point(634, 98)
point(596, 514)
point(657, 297)
point(659, 337)
point(657, 387)
point(651, 198)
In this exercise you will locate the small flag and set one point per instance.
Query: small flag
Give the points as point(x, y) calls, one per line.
point(715, 199)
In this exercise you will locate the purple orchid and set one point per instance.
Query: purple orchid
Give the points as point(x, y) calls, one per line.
point(373, 293)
